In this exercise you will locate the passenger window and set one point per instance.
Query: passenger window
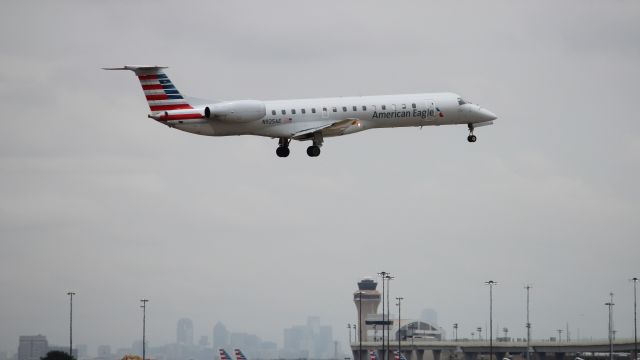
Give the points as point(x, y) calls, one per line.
point(293, 111)
point(344, 108)
point(284, 112)
point(313, 110)
point(355, 108)
point(364, 108)
point(404, 106)
point(384, 107)
point(413, 105)
point(304, 111)
point(335, 109)
point(374, 107)
point(324, 109)
point(273, 112)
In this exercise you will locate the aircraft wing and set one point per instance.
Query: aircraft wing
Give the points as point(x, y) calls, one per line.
point(336, 127)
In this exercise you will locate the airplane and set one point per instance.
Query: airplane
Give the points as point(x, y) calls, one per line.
point(302, 119)
point(239, 355)
point(224, 355)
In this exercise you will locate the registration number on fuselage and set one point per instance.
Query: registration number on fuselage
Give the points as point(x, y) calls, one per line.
point(275, 121)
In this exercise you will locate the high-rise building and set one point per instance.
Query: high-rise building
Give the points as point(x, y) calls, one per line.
point(369, 297)
point(184, 332)
point(220, 336)
point(249, 343)
point(33, 347)
point(430, 316)
point(104, 351)
point(313, 341)
point(204, 341)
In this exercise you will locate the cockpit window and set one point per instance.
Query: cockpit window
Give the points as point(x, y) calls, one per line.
point(461, 101)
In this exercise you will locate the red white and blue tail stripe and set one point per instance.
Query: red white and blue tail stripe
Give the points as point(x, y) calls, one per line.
point(224, 355)
point(373, 355)
point(398, 356)
point(161, 93)
point(240, 355)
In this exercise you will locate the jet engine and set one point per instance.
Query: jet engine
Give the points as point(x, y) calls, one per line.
point(236, 111)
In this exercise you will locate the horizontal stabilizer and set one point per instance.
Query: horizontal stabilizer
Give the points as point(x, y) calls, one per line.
point(137, 68)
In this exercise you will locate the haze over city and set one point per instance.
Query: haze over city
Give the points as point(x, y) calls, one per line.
point(100, 200)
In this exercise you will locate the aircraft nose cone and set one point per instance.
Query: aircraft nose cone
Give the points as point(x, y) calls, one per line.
point(486, 115)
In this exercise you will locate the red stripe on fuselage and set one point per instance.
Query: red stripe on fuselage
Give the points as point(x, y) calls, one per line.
point(170, 107)
point(157, 97)
point(152, 87)
point(181, 117)
point(147, 77)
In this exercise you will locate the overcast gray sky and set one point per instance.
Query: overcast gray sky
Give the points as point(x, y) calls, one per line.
point(99, 199)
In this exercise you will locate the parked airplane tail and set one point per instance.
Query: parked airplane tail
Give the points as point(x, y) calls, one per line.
point(224, 355)
point(161, 93)
point(240, 355)
point(398, 356)
point(373, 355)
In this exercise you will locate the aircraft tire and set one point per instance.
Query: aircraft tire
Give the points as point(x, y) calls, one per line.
point(282, 151)
point(471, 138)
point(313, 151)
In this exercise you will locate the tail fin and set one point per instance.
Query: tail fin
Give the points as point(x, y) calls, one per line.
point(160, 92)
point(398, 356)
point(240, 355)
point(373, 355)
point(224, 355)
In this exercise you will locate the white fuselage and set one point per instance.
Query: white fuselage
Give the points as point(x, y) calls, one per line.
point(346, 115)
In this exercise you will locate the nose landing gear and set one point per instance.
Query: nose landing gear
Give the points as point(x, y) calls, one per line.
point(471, 138)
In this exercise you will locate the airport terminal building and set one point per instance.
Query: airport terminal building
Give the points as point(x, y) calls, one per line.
point(367, 300)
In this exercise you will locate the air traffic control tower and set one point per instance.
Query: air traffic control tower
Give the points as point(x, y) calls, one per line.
point(369, 297)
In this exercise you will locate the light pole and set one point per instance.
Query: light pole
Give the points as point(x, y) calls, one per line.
point(479, 329)
point(610, 305)
point(360, 326)
point(389, 278)
point(491, 283)
point(455, 331)
point(635, 319)
point(528, 288)
point(506, 333)
point(399, 326)
point(144, 324)
point(71, 293)
point(383, 274)
point(559, 335)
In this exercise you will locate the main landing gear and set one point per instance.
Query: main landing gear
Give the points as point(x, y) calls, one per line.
point(314, 150)
point(283, 147)
point(471, 138)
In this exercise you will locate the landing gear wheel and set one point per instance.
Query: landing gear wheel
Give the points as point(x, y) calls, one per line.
point(313, 150)
point(283, 147)
point(471, 138)
point(282, 151)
